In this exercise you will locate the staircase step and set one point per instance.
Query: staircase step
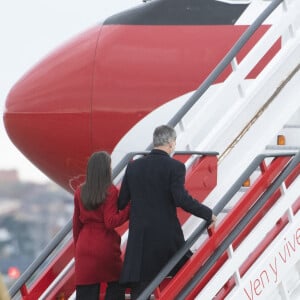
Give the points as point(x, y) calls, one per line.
point(282, 148)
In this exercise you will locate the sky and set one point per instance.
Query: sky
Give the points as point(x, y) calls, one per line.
point(29, 30)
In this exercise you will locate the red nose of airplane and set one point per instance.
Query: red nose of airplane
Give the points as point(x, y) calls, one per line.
point(85, 96)
point(48, 111)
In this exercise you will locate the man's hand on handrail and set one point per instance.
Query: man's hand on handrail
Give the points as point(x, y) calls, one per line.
point(211, 225)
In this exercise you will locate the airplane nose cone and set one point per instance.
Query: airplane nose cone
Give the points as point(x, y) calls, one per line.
point(47, 113)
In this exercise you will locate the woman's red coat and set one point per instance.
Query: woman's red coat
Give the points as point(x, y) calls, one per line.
point(97, 244)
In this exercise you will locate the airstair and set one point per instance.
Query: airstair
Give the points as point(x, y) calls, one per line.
point(240, 141)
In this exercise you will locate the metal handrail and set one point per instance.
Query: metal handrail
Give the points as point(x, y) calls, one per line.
point(129, 156)
point(240, 226)
point(201, 228)
point(224, 63)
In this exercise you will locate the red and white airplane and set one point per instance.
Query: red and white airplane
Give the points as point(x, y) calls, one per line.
point(111, 85)
point(90, 92)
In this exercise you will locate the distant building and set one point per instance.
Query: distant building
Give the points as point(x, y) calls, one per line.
point(30, 216)
point(9, 176)
point(9, 206)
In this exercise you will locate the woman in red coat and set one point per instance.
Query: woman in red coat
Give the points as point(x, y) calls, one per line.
point(97, 244)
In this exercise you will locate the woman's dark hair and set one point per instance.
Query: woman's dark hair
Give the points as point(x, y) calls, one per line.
point(98, 179)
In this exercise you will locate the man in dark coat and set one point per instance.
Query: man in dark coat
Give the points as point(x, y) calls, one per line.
point(154, 185)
